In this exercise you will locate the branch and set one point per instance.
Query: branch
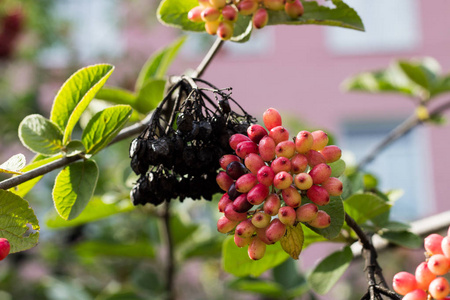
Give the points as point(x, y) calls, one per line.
point(170, 253)
point(208, 58)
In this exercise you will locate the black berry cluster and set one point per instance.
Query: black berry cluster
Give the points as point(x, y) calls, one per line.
point(177, 156)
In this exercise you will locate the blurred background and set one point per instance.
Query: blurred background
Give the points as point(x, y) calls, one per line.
point(297, 70)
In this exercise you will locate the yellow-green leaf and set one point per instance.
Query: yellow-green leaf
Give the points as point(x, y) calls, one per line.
point(292, 241)
point(14, 164)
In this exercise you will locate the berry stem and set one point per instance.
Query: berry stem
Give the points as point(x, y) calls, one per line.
point(208, 58)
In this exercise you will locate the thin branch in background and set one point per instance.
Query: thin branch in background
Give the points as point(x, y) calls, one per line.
point(208, 58)
point(170, 265)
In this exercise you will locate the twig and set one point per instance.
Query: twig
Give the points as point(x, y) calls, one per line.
point(208, 58)
point(170, 255)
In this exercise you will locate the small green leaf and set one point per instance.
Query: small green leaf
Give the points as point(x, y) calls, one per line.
point(104, 126)
point(342, 16)
point(157, 65)
point(40, 135)
point(95, 210)
point(15, 214)
point(363, 207)
point(242, 29)
point(74, 148)
point(235, 260)
point(175, 13)
point(14, 164)
point(418, 74)
point(150, 95)
point(292, 241)
point(336, 211)
point(97, 248)
point(337, 168)
point(116, 95)
point(396, 226)
point(328, 271)
point(257, 286)
point(74, 187)
point(76, 94)
point(403, 238)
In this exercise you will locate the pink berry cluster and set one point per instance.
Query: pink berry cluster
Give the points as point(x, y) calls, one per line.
point(220, 15)
point(267, 178)
point(427, 283)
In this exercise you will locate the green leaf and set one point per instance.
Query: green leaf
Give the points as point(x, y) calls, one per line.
point(104, 126)
point(76, 94)
point(353, 183)
point(363, 207)
point(15, 214)
point(442, 86)
point(419, 74)
point(209, 248)
point(74, 148)
point(396, 226)
point(235, 260)
point(181, 230)
point(74, 187)
point(342, 16)
point(150, 95)
point(337, 168)
point(311, 237)
point(257, 286)
point(158, 64)
point(40, 135)
point(14, 164)
point(292, 241)
point(96, 248)
point(336, 211)
point(328, 271)
point(95, 210)
point(174, 13)
point(242, 29)
point(116, 95)
point(287, 276)
point(403, 238)
point(23, 188)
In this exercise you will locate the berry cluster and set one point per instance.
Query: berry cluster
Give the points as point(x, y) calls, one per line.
point(178, 156)
point(273, 173)
point(220, 15)
point(427, 281)
point(5, 247)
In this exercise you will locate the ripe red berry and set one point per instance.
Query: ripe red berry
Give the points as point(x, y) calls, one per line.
point(240, 241)
point(285, 149)
point(281, 164)
point(307, 212)
point(322, 220)
point(266, 148)
point(318, 195)
point(256, 249)
point(235, 139)
point(299, 163)
point(241, 204)
point(432, 244)
point(225, 31)
point(260, 18)
point(291, 196)
point(247, 7)
point(265, 175)
point(233, 215)
point(331, 153)
point(303, 142)
point(224, 181)
point(245, 183)
point(256, 132)
point(294, 9)
point(439, 288)
point(424, 276)
point(314, 158)
point(272, 204)
point(404, 283)
point(275, 231)
point(271, 118)
point(225, 225)
point(320, 173)
point(261, 220)
point(223, 202)
point(245, 148)
point(225, 160)
point(287, 215)
point(5, 247)
point(254, 162)
point(282, 180)
point(257, 194)
point(416, 295)
point(245, 228)
point(229, 13)
point(279, 134)
point(439, 264)
point(333, 186)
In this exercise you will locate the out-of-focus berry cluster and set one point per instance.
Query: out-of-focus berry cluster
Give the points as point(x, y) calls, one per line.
point(177, 156)
point(427, 283)
point(220, 16)
point(267, 178)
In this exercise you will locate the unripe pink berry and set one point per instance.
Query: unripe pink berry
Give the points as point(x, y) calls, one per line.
point(204, 3)
point(247, 7)
point(320, 173)
point(299, 163)
point(254, 162)
point(281, 164)
point(240, 241)
point(424, 276)
point(275, 231)
point(333, 186)
point(236, 138)
point(303, 181)
point(5, 248)
point(439, 264)
point(258, 194)
point(274, 4)
point(225, 160)
point(445, 246)
point(404, 282)
point(285, 149)
point(307, 212)
point(225, 225)
point(279, 134)
point(224, 181)
point(314, 158)
point(318, 195)
point(261, 220)
point(256, 249)
point(320, 140)
point(229, 13)
point(303, 141)
point(267, 148)
point(282, 180)
point(210, 14)
point(291, 196)
point(212, 26)
point(245, 148)
point(287, 215)
point(256, 132)
point(218, 3)
point(416, 295)
point(225, 31)
point(439, 288)
point(241, 205)
point(322, 220)
point(224, 201)
point(245, 228)
point(265, 175)
point(195, 14)
point(271, 118)
point(261, 233)
point(272, 204)
point(245, 183)
point(432, 244)
point(260, 18)
point(294, 9)
point(233, 215)
point(331, 153)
